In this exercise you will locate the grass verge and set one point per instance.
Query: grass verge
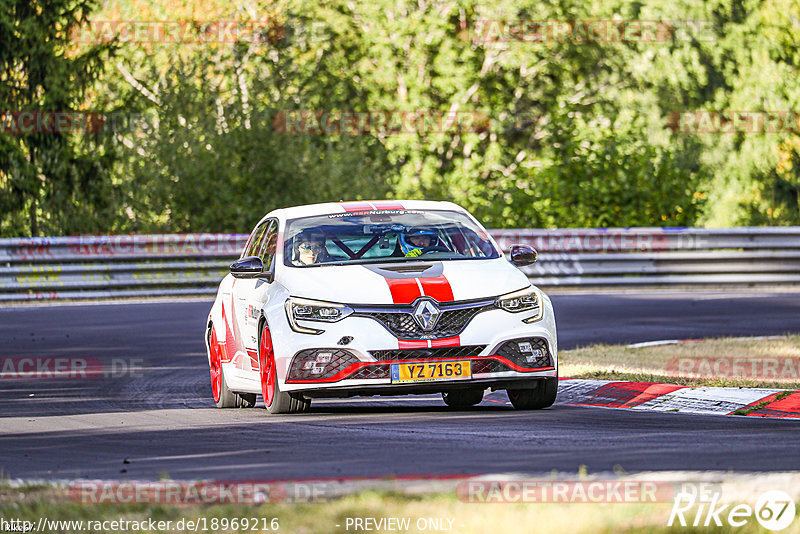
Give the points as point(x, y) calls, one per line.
point(725, 362)
point(425, 512)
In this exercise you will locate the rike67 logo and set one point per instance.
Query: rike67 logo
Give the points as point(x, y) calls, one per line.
point(700, 506)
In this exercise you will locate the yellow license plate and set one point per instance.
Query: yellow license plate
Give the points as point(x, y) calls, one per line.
point(431, 371)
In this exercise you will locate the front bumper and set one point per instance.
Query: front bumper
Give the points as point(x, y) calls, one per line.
point(373, 350)
point(423, 389)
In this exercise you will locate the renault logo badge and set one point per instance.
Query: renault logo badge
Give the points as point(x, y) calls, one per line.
point(426, 313)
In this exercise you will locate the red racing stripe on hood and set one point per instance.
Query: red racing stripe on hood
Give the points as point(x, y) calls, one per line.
point(404, 290)
point(437, 288)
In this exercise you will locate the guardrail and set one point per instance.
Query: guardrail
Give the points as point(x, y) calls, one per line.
point(192, 264)
point(746, 256)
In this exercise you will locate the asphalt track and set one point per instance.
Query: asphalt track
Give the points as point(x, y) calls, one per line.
point(159, 420)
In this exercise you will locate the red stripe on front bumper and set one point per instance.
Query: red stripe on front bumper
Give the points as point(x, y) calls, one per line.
point(412, 344)
point(446, 342)
point(511, 364)
point(423, 344)
point(353, 367)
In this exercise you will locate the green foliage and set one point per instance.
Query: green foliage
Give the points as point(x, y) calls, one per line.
point(208, 156)
point(50, 183)
point(577, 134)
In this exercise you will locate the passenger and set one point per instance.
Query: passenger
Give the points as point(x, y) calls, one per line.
point(309, 249)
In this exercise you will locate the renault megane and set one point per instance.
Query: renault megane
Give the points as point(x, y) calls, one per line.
point(379, 298)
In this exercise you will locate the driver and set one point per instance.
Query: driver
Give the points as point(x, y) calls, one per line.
point(415, 241)
point(309, 248)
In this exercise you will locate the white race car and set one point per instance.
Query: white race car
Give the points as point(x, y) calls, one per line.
point(379, 298)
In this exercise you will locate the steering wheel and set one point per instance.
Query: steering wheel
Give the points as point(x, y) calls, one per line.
point(436, 248)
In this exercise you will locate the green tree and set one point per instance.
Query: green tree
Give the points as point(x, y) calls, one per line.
point(578, 131)
point(50, 183)
point(209, 156)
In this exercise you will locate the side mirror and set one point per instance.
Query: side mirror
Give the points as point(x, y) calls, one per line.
point(248, 267)
point(522, 255)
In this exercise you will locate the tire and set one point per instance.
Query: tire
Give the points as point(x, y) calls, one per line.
point(535, 399)
point(275, 400)
point(224, 397)
point(463, 398)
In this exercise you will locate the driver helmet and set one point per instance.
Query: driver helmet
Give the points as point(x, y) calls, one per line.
point(412, 239)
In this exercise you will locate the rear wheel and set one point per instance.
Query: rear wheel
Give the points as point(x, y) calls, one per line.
point(275, 400)
point(463, 398)
point(224, 397)
point(542, 396)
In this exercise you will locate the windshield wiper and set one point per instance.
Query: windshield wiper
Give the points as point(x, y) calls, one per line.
point(365, 260)
point(392, 259)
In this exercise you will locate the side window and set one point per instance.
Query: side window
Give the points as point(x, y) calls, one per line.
point(256, 238)
point(267, 253)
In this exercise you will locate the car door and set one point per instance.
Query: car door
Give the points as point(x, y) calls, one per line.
point(250, 294)
point(245, 357)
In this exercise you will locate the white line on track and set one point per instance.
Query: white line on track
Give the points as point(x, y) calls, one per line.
point(674, 341)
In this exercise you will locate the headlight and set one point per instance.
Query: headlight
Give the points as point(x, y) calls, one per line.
point(314, 310)
point(525, 300)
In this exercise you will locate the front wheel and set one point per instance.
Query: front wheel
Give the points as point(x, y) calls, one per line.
point(275, 400)
point(543, 396)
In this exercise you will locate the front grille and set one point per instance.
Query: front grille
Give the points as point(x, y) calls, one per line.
point(434, 353)
point(371, 371)
point(527, 352)
point(401, 323)
point(305, 364)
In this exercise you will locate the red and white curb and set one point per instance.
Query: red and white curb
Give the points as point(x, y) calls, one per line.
point(674, 398)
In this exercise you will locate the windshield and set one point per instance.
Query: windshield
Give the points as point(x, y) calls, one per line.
point(391, 236)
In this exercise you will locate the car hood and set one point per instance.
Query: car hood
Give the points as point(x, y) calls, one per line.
point(402, 283)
